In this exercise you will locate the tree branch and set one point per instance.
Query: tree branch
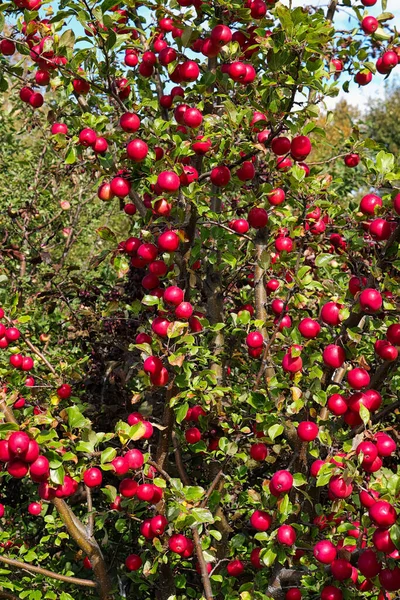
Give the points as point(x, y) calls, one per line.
point(46, 573)
point(196, 537)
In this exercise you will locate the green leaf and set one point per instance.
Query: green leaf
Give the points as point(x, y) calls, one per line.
point(182, 412)
point(76, 420)
point(105, 233)
point(323, 260)
point(24, 319)
point(193, 493)
point(268, 557)
point(57, 475)
point(325, 474)
point(150, 300)
point(384, 162)
point(67, 40)
point(108, 455)
point(395, 535)
point(275, 430)
point(202, 515)
point(299, 479)
point(364, 414)
point(186, 35)
point(71, 157)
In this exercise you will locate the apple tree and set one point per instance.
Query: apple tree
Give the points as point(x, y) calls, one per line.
point(200, 329)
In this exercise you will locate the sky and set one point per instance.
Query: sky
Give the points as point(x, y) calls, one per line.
point(358, 96)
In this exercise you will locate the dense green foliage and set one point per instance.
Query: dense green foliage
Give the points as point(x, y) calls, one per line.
point(79, 295)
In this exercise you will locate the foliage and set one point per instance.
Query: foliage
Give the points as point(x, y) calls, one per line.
point(75, 281)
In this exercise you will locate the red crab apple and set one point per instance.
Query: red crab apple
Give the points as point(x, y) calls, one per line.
point(363, 77)
point(368, 450)
point(92, 477)
point(240, 226)
point(16, 361)
point(351, 160)
point(173, 295)
point(254, 339)
point(293, 594)
point(390, 579)
point(168, 182)
point(59, 128)
point(158, 524)
point(32, 452)
point(255, 558)
point(272, 285)
point(341, 569)
point(120, 187)
point(152, 364)
point(12, 334)
point(128, 487)
point(369, 24)
point(307, 431)
point(309, 328)
point(259, 452)
point(17, 468)
point(34, 509)
point(385, 444)
point(356, 284)
point(316, 467)
point(145, 529)
point(137, 150)
point(133, 562)
point(382, 541)
point(104, 192)
point(393, 333)
point(331, 592)
point(281, 482)
point(368, 497)
point(178, 543)
point(87, 137)
point(369, 203)
point(382, 514)
point(220, 176)
point(380, 229)
point(120, 465)
point(339, 488)
point(27, 363)
point(368, 564)
point(325, 552)
point(358, 378)
point(276, 196)
point(334, 356)
point(290, 363)
point(64, 391)
point(145, 492)
point(337, 404)
point(134, 458)
point(330, 313)
point(286, 535)
point(280, 145)
point(193, 435)
point(235, 568)
point(370, 300)
point(385, 350)
point(300, 147)
point(129, 122)
point(168, 241)
point(18, 443)
point(260, 520)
